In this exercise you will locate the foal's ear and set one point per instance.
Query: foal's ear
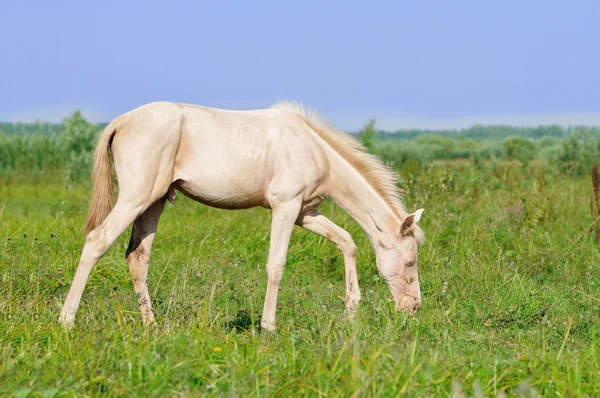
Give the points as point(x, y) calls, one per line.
point(410, 220)
point(418, 215)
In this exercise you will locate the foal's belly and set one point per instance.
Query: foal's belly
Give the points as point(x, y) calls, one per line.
point(222, 194)
point(225, 180)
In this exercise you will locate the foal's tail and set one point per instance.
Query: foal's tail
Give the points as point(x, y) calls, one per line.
point(102, 193)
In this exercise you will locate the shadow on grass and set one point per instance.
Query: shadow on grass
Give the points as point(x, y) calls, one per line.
point(243, 322)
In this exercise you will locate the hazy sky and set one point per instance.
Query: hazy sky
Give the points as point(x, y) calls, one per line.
point(409, 63)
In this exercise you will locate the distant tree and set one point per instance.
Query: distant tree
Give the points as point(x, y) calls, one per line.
point(519, 148)
point(579, 151)
point(480, 132)
point(77, 140)
point(30, 128)
point(366, 135)
point(78, 136)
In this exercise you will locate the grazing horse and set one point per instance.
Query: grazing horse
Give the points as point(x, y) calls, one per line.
point(283, 158)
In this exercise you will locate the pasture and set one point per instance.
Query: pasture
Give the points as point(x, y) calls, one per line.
point(509, 276)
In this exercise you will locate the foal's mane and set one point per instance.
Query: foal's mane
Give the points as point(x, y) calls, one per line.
point(377, 174)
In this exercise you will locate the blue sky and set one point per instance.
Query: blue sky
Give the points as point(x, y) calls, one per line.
point(408, 63)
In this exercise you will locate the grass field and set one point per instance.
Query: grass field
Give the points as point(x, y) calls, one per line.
point(509, 278)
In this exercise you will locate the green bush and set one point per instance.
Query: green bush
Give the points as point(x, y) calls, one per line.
point(77, 140)
point(35, 150)
point(521, 149)
point(578, 152)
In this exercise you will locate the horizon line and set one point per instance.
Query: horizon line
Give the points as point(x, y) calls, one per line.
point(353, 122)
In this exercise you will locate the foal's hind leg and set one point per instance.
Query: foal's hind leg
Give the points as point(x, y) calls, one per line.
point(321, 225)
point(97, 243)
point(138, 255)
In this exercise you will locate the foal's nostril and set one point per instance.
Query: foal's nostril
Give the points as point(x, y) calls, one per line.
point(409, 304)
point(410, 263)
point(414, 307)
point(417, 304)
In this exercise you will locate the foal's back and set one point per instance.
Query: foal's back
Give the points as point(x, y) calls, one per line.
point(241, 159)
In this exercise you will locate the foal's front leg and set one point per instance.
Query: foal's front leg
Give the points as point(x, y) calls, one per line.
point(284, 216)
point(321, 225)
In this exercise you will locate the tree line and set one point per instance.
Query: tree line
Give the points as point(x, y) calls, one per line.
point(45, 147)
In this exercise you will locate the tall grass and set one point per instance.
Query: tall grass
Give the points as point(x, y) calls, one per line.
point(509, 274)
point(510, 279)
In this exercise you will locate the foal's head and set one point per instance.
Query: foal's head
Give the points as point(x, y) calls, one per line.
point(397, 260)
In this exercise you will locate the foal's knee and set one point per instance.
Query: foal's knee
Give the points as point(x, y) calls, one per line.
point(347, 245)
point(275, 271)
point(351, 249)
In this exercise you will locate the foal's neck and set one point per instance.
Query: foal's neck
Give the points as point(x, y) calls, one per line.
point(350, 190)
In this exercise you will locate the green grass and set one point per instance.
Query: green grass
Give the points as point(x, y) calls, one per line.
point(509, 279)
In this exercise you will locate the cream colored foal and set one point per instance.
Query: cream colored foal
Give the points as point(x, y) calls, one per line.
point(282, 158)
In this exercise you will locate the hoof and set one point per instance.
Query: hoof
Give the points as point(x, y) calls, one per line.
point(67, 320)
point(147, 317)
point(267, 326)
point(351, 306)
point(350, 313)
